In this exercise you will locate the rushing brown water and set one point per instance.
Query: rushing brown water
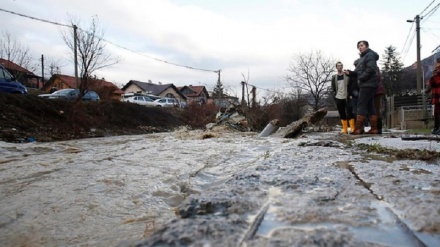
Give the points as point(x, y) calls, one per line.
point(99, 192)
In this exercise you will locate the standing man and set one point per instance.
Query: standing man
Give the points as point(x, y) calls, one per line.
point(339, 86)
point(434, 87)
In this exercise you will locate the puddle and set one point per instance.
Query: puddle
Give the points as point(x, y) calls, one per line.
point(389, 230)
point(270, 223)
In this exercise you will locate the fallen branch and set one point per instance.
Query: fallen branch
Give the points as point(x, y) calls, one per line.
point(418, 137)
point(294, 129)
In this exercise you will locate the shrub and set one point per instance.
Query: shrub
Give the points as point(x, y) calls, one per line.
point(198, 116)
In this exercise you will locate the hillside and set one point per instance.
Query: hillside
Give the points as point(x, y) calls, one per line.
point(26, 118)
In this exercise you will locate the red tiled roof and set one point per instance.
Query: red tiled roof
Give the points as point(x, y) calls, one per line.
point(13, 66)
point(70, 80)
point(108, 84)
point(197, 89)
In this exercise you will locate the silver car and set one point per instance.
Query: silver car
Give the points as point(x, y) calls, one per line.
point(141, 100)
point(168, 102)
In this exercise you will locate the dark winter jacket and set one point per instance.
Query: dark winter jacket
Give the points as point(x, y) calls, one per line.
point(380, 88)
point(367, 69)
point(353, 87)
point(434, 85)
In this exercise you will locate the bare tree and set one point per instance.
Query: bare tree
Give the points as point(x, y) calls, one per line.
point(53, 66)
point(311, 72)
point(15, 52)
point(91, 52)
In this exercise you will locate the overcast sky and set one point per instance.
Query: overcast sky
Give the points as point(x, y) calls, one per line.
point(255, 38)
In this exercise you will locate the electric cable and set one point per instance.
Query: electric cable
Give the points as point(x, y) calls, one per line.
point(107, 41)
point(427, 7)
point(430, 13)
point(407, 37)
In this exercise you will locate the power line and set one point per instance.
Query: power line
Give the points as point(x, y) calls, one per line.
point(427, 7)
point(263, 89)
point(432, 35)
point(157, 59)
point(432, 11)
point(407, 37)
point(112, 43)
point(405, 53)
point(34, 18)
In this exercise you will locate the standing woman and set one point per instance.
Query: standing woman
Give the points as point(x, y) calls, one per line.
point(339, 86)
point(434, 87)
point(366, 70)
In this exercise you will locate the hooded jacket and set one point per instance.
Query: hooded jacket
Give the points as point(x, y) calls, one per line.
point(367, 69)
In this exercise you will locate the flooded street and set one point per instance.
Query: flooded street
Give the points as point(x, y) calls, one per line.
point(99, 192)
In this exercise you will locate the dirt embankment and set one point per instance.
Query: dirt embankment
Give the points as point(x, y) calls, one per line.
point(26, 118)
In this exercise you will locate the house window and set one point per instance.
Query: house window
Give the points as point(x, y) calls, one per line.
point(169, 95)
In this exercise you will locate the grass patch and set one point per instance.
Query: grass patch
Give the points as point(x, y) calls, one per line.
point(411, 154)
point(419, 131)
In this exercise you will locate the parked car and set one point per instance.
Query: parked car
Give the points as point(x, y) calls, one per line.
point(168, 102)
point(71, 94)
point(8, 83)
point(141, 100)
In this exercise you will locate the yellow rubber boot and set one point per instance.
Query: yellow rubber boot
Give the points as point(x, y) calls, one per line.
point(351, 122)
point(344, 126)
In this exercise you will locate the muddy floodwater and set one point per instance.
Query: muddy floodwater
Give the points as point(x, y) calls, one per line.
point(150, 189)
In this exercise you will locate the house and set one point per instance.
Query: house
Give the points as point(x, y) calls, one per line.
point(22, 75)
point(410, 110)
point(427, 66)
point(225, 101)
point(106, 90)
point(195, 94)
point(162, 90)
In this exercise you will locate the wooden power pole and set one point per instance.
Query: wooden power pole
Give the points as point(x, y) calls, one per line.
point(419, 70)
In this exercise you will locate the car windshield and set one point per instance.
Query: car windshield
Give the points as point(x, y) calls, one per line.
point(63, 92)
point(148, 99)
point(6, 75)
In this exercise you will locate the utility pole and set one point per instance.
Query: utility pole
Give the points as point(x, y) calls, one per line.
point(419, 69)
point(218, 72)
point(75, 53)
point(254, 97)
point(242, 93)
point(42, 72)
point(218, 82)
point(419, 63)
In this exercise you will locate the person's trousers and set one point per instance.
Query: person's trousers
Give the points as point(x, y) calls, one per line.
point(341, 105)
point(354, 104)
point(365, 106)
point(436, 129)
point(378, 108)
